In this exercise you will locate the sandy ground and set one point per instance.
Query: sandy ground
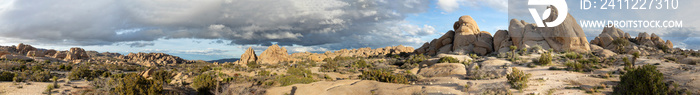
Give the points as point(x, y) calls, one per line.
point(543, 80)
point(38, 88)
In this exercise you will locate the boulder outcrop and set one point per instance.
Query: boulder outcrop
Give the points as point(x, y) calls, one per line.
point(248, 56)
point(467, 38)
point(609, 34)
point(491, 68)
point(76, 53)
point(153, 59)
point(360, 52)
point(273, 55)
point(652, 41)
point(443, 70)
point(568, 36)
point(644, 43)
point(24, 49)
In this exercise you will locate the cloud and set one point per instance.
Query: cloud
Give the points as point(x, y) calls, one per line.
point(208, 51)
point(331, 24)
point(452, 5)
point(139, 44)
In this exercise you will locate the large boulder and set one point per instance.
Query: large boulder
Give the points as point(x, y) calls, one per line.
point(669, 44)
point(248, 56)
point(568, 36)
point(35, 53)
point(502, 41)
point(23, 49)
point(273, 55)
point(609, 34)
point(76, 53)
point(491, 68)
point(601, 52)
point(443, 70)
point(465, 39)
point(469, 39)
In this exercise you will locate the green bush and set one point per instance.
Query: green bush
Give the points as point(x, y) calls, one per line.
point(162, 76)
point(135, 84)
point(384, 76)
point(518, 79)
point(361, 64)
point(448, 59)
point(204, 83)
point(645, 80)
point(6, 75)
point(545, 58)
point(416, 58)
point(573, 55)
point(41, 76)
point(620, 43)
point(253, 64)
point(264, 73)
point(84, 72)
point(296, 75)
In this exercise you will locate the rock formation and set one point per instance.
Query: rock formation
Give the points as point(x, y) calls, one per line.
point(466, 39)
point(153, 59)
point(605, 39)
point(645, 44)
point(652, 41)
point(568, 36)
point(76, 53)
point(24, 49)
point(273, 55)
point(360, 52)
point(443, 70)
point(248, 56)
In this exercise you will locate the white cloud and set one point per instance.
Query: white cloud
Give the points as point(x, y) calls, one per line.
point(452, 5)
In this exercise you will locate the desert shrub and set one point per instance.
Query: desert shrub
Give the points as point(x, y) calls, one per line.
point(385, 76)
point(135, 84)
point(330, 66)
point(627, 62)
point(536, 47)
point(6, 75)
point(502, 55)
point(448, 59)
point(523, 51)
point(40, 76)
point(253, 64)
point(663, 47)
point(573, 55)
point(264, 73)
point(296, 75)
point(361, 64)
point(518, 79)
point(645, 80)
point(162, 76)
point(204, 83)
point(545, 58)
point(84, 72)
point(620, 43)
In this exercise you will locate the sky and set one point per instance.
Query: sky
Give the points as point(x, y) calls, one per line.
point(217, 29)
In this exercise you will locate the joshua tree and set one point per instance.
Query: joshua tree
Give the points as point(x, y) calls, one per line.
point(636, 55)
point(512, 52)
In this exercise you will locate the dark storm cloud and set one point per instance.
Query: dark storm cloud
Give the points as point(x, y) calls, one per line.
point(328, 23)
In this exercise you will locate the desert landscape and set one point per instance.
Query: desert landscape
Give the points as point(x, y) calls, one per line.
point(524, 59)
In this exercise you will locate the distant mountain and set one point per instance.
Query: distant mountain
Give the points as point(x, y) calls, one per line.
point(225, 60)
